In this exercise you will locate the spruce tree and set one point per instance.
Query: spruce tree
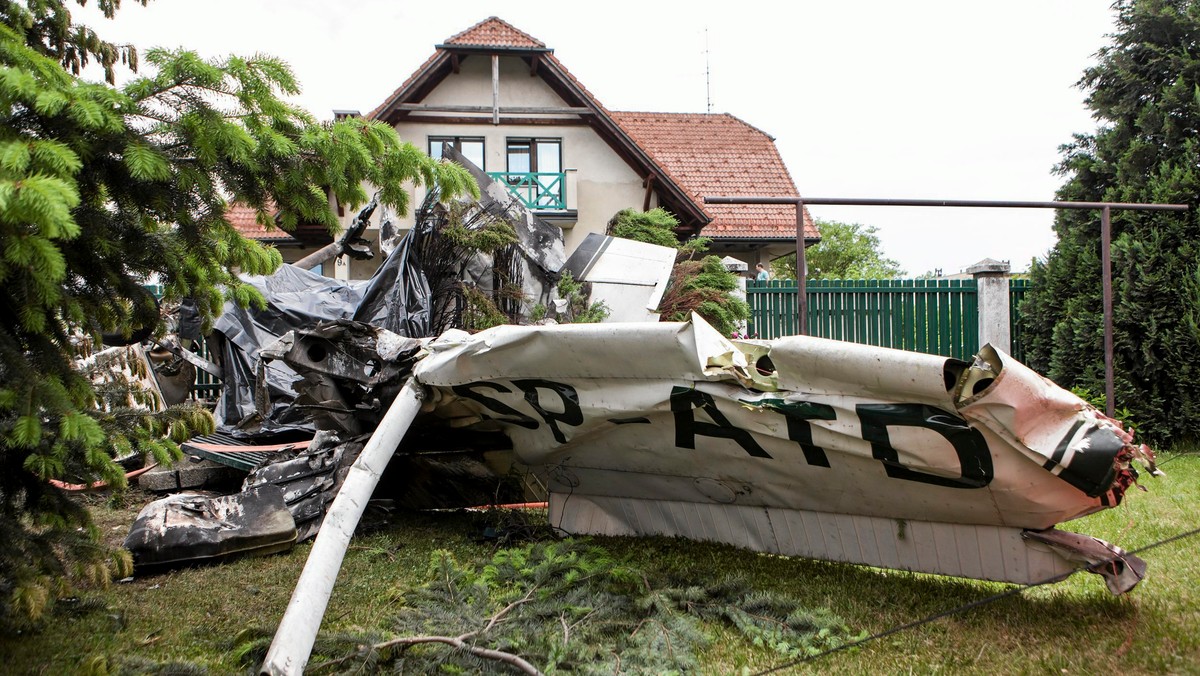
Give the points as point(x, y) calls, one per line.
point(102, 188)
point(702, 286)
point(1144, 91)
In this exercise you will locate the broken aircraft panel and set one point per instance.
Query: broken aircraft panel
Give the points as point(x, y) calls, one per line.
point(798, 446)
point(194, 527)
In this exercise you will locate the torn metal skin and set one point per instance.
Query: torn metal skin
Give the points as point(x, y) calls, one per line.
point(194, 527)
point(347, 369)
point(798, 446)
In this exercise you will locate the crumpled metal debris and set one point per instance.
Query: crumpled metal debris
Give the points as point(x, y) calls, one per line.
point(193, 527)
point(800, 446)
point(1120, 569)
point(308, 478)
point(348, 370)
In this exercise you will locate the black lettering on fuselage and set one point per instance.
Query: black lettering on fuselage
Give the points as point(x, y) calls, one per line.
point(568, 399)
point(974, 457)
point(685, 401)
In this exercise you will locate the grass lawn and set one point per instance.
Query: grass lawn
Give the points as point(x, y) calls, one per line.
point(195, 615)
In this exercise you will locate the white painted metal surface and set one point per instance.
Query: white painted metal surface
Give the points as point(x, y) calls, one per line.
point(671, 428)
point(297, 630)
point(967, 550)
point(628, 277)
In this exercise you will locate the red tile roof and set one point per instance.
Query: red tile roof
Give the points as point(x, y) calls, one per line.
point(700, 154)
point(491, 32)
point(494, 32)
point(720, 155)
point(245, 220)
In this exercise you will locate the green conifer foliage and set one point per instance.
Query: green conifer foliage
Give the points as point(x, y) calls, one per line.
point(566, 607)
point(102, 188)
point(1145, 92)
point(701, 286)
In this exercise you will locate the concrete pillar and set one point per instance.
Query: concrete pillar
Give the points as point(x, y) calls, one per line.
point(737, 267)
point(991, 284)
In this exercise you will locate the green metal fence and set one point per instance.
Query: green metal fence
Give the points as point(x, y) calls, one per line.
point(1017, 288)
point(936, 316)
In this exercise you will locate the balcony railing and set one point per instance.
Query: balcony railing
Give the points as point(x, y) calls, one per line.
point(539, 191)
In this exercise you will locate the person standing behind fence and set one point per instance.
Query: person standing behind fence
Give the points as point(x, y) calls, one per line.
point(762, 275)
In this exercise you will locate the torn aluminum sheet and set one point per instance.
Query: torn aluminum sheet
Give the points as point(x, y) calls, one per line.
point(309, 478)
point(535, 261)
point(347, 369)
point(192, 527)
point(799, 446)
point(628, 277)
point(541, 242)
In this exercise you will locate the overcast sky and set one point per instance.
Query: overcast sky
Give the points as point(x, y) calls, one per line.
point(877, 98)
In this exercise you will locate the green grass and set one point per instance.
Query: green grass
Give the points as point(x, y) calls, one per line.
point(195, 615)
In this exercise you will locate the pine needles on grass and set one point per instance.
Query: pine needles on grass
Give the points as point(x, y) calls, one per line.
point(219, 619)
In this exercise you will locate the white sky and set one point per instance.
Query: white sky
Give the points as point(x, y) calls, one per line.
point(939, 99)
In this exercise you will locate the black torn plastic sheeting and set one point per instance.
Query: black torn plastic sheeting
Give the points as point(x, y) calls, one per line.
point(295, 298)
point(397, 297)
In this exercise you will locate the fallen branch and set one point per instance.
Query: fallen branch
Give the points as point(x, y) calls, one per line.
point(460, 643)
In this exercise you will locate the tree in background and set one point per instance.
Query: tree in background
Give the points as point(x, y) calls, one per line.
point(1145, 92)
point(102, 188)
point(846, 251)
point(702, 286)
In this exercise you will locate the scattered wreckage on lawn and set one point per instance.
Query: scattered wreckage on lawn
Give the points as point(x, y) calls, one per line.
point(798, 446)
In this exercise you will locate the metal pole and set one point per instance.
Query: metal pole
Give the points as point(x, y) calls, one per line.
point(801, 273)
point(1106, 276)
point(293, 642)
point(998, 204)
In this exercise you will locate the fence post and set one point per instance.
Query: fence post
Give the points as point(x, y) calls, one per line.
point(991, 286)
point(738, 268)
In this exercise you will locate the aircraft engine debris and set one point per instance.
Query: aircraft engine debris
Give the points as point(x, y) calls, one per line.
point(192, 527)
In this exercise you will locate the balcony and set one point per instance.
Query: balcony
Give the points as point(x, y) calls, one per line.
point(538, 191)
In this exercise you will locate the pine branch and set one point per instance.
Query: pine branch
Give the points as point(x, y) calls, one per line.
point(460, 641)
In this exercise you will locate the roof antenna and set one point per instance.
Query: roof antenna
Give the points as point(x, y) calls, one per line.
point(707, 75)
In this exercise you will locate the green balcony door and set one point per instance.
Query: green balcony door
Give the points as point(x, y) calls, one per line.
point(541, 158)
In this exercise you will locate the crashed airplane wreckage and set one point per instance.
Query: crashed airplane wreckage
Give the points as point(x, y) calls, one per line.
point(798, 446)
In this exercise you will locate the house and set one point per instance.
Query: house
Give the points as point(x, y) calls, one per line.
point(504, 100)
point(294, 245)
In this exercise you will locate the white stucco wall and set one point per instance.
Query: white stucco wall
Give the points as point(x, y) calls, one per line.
point(605, 184)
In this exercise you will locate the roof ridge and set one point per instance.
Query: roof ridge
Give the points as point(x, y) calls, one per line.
point(757, 129)
point(490, 32)
point(663, 112)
